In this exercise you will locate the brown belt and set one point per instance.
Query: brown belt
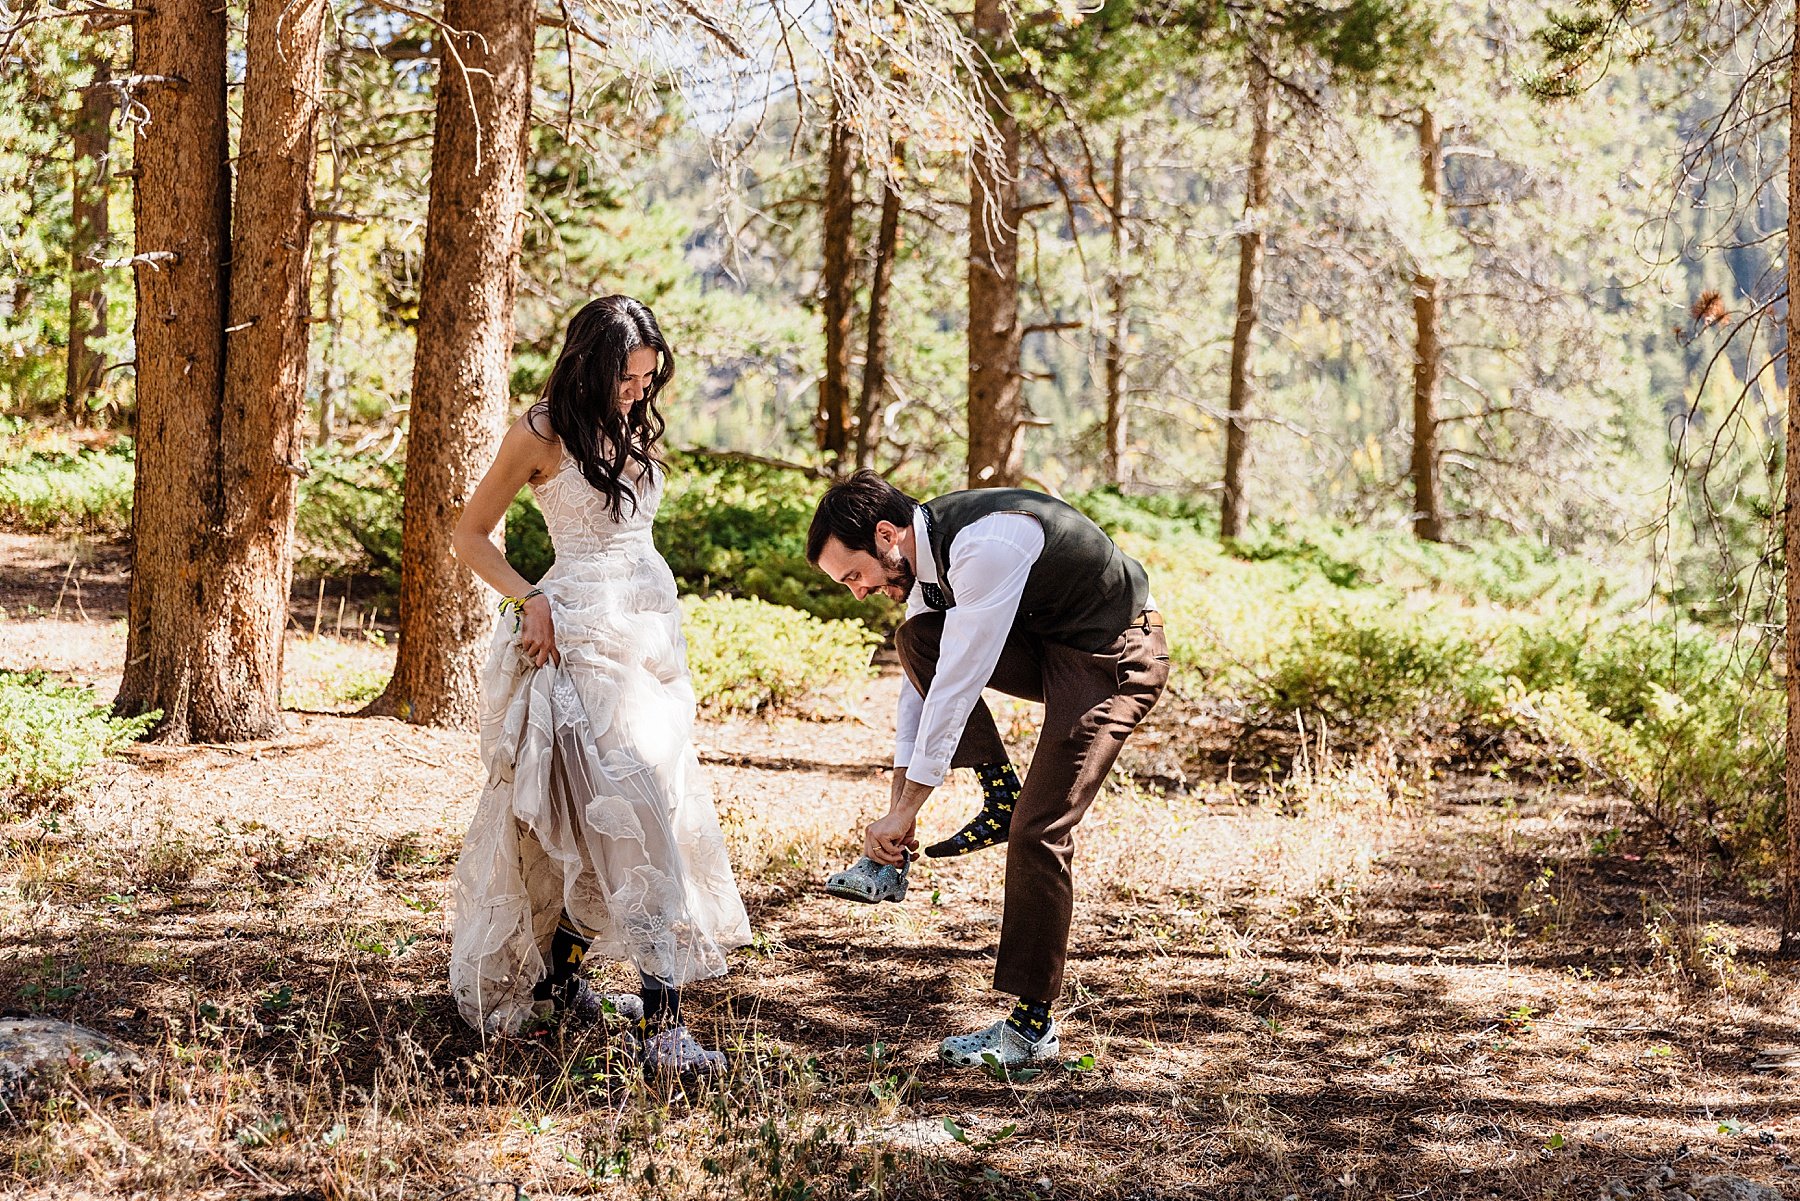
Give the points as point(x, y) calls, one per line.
point(1149, 619)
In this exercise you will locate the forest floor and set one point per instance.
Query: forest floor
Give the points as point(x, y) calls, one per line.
point(1304, 973)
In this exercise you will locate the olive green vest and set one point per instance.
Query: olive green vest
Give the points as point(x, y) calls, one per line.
point(1083, 590)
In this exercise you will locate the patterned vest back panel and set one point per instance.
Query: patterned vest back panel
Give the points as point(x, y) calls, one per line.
point(1083, 590)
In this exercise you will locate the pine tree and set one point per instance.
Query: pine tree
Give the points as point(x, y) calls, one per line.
point(473, 227)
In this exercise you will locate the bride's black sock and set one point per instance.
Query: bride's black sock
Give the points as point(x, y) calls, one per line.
point(568, 946)
point(662, 1002)
point(999, 793)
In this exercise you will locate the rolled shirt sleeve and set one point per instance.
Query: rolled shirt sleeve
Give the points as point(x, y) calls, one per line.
point(989, 565)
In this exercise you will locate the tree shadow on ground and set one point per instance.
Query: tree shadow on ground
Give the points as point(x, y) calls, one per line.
point(1457, 1024)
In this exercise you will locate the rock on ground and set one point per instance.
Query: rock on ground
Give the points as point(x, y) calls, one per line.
point(40, 1055)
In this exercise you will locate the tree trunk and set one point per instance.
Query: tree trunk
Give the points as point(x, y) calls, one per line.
point(473, 229)
point(996, 399)
point(261, 446)
point(1428, 353)
point(874, 380)
point(87, 292)
point(178, 642)
point(1117, 292)
point(839, 289)
point(1790, 910)
point(1233, 508)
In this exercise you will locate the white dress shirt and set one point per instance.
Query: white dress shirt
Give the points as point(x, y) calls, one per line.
point(989, 563)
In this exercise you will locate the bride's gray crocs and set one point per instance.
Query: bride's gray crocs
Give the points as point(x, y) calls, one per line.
point(869, 881)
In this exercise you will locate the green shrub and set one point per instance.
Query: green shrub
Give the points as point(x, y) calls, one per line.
point(748, 655)
point(1622, 668)
point(87, 490)
point(347, 520)
point(1165, 518)
point(51, 732)
point(528, 546)
point(1363, 665)
point(1514, 573)
point(1709, 768)
point(740, 529)
point(1272, 544)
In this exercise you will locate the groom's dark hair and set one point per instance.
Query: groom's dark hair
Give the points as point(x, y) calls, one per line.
point(850, 511)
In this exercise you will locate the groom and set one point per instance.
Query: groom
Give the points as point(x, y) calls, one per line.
point(1012, 590)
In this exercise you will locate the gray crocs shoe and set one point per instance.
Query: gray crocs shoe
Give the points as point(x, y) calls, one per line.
point(578, 1004)
point(1009, 1048)
point(584, 1004)
point(674, 1052)
point(869, 881)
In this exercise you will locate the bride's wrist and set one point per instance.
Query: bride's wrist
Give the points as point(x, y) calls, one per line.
point(516, 604)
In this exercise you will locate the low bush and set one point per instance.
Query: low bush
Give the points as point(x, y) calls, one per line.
point(50, 733)
point(1363, 664)
point(1382, 634)
point(748, 655)
point(347, 521)
point(740, 529)
point(1708, 767)
point(85, 490)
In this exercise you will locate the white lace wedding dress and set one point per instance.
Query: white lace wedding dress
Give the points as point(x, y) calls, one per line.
point(594, 801)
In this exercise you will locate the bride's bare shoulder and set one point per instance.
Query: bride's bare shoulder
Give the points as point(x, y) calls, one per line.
point(534, 442)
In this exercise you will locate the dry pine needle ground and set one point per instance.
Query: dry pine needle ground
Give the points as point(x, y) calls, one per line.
point(1341, 979)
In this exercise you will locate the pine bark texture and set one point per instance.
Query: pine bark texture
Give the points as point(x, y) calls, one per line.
point(178, 642)
point(91, 176)
point(1234, 507)
point(1428, 355)
point(221, 349)
point(473, 230)
point(869, 424)
point(1118, 295)
point(1790, 910)
point(996, 399)
point(839, 289)
point(262, 453)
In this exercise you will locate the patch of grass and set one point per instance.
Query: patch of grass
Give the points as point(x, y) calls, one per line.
point(50, 733)
point(747, 656)
point(330, 675)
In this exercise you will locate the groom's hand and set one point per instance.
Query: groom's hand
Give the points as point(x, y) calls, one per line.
point(886, 836)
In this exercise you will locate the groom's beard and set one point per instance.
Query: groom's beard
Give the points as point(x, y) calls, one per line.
point(899, 572)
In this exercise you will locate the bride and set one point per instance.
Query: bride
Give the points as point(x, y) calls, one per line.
point(594, 827)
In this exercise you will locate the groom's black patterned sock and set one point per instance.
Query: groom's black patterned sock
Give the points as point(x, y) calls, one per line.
point(1031, 1019)
point(568, 946)
point(999, 793)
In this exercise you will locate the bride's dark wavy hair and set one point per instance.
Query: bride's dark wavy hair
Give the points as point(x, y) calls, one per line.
point(579, 398)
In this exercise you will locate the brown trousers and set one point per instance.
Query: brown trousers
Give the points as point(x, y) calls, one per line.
point(1092, 702)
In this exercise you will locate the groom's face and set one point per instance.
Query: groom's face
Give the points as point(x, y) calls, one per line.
point(886, 571)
